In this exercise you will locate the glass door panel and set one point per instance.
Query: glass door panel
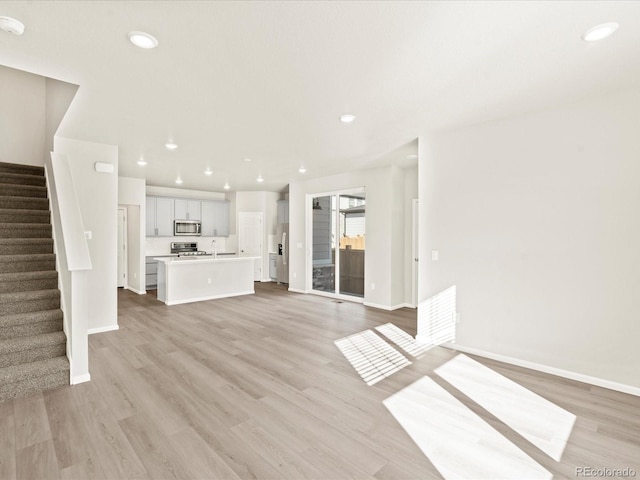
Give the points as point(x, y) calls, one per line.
point(339, 244)
point(324, 268)
point(352, 244)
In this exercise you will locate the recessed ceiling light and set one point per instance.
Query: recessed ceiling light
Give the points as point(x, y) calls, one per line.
point(599, 32)
point(347, 118)
point(226, 186)
point(208, 171)
point(178, 180)
point(143, 40)
point(11, 25)
point(142, 162)
point(260, 179)
point(412, 156)
point(247, 160)
point(171, 146)
point(302, 169)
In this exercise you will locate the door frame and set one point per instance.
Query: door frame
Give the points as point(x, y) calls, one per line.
point(309, 241)
point(125, 248)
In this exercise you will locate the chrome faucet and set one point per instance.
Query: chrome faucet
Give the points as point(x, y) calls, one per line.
point(214, 250)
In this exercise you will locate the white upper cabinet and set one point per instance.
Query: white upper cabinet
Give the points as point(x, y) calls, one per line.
point(215, 218)
point(186, 209)
point(159, 221)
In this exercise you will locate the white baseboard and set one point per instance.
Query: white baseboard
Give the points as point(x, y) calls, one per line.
point(388, 308)
point(80, 379)
point(110, 328)
point(136, 291)
point(580, 377)
point(297, 290)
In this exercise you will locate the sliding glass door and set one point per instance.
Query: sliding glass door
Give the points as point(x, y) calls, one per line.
point(339, 243)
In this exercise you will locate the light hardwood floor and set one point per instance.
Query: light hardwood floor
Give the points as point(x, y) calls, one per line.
point(254, 387)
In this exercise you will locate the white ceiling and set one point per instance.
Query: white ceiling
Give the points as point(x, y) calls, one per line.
point(268, 80)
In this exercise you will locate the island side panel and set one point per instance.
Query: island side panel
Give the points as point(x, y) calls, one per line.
point(197, 280)
point(162, 281)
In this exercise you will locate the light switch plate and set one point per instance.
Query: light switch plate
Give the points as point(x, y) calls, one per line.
point(434, 255)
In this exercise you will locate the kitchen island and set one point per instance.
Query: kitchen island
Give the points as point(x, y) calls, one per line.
point(194, 279)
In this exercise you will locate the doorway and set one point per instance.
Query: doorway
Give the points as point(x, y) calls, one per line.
point(339, 244)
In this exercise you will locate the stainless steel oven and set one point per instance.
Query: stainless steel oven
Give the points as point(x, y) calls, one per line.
point(187, 227)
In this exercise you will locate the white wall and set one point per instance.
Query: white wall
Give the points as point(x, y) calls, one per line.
point(98, 197)
point(385, 234)
point(131, 194)
point(59, 96)
point(536, 221)
point(22, 117)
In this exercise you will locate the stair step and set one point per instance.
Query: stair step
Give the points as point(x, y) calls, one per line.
point(24, 302)
point(16, 351)
point(27, 262)
point(23, 190)
point(21, 380)
point(25, 230)
point(28, 281)
point(21, 169)
point(23, 179)
point(20, 246)
point(28, 203)
point(19, 215)
point(31, 323)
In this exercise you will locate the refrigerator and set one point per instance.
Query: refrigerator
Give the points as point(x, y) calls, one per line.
point(282, 267)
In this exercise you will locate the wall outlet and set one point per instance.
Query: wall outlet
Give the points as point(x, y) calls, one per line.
point(295, 275)
point(135, 275)
point(209, 281)
point(435, 255)
point(373, 286)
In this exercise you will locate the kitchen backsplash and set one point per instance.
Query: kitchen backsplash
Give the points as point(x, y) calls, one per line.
point(160, 245)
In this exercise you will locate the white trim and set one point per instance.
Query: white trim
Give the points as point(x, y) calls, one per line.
point(136, 291)
point(580, 377)
point(297, 290)
point(91, 331)
point(387, 307)
point(80, 379)
point(212, 297)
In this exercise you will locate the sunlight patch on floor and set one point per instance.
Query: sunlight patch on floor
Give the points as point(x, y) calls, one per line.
point(403, 340)
point(458, 442)
point(540, 421)
point(373, 358)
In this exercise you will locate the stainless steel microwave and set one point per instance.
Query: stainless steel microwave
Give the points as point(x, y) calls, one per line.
point(187, 227)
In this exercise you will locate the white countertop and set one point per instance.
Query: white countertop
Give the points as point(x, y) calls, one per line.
point(201, 259)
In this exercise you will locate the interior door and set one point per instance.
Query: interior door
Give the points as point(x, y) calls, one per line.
point(250, 236)
point(122, 247)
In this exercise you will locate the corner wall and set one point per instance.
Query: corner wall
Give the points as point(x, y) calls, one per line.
point(98, 197)
point(536, 221)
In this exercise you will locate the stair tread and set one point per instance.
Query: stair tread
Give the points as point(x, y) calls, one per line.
point(28, 226)
point(23, 211)
point(27, 257)
point(40, 368)
point(17, 179)
point(37, 275)
point(23, 241)
point(22, 318)
point(21, 344)
point(30, 295)
point(35, 170)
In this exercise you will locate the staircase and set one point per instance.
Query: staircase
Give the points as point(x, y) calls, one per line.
point(32, 342)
